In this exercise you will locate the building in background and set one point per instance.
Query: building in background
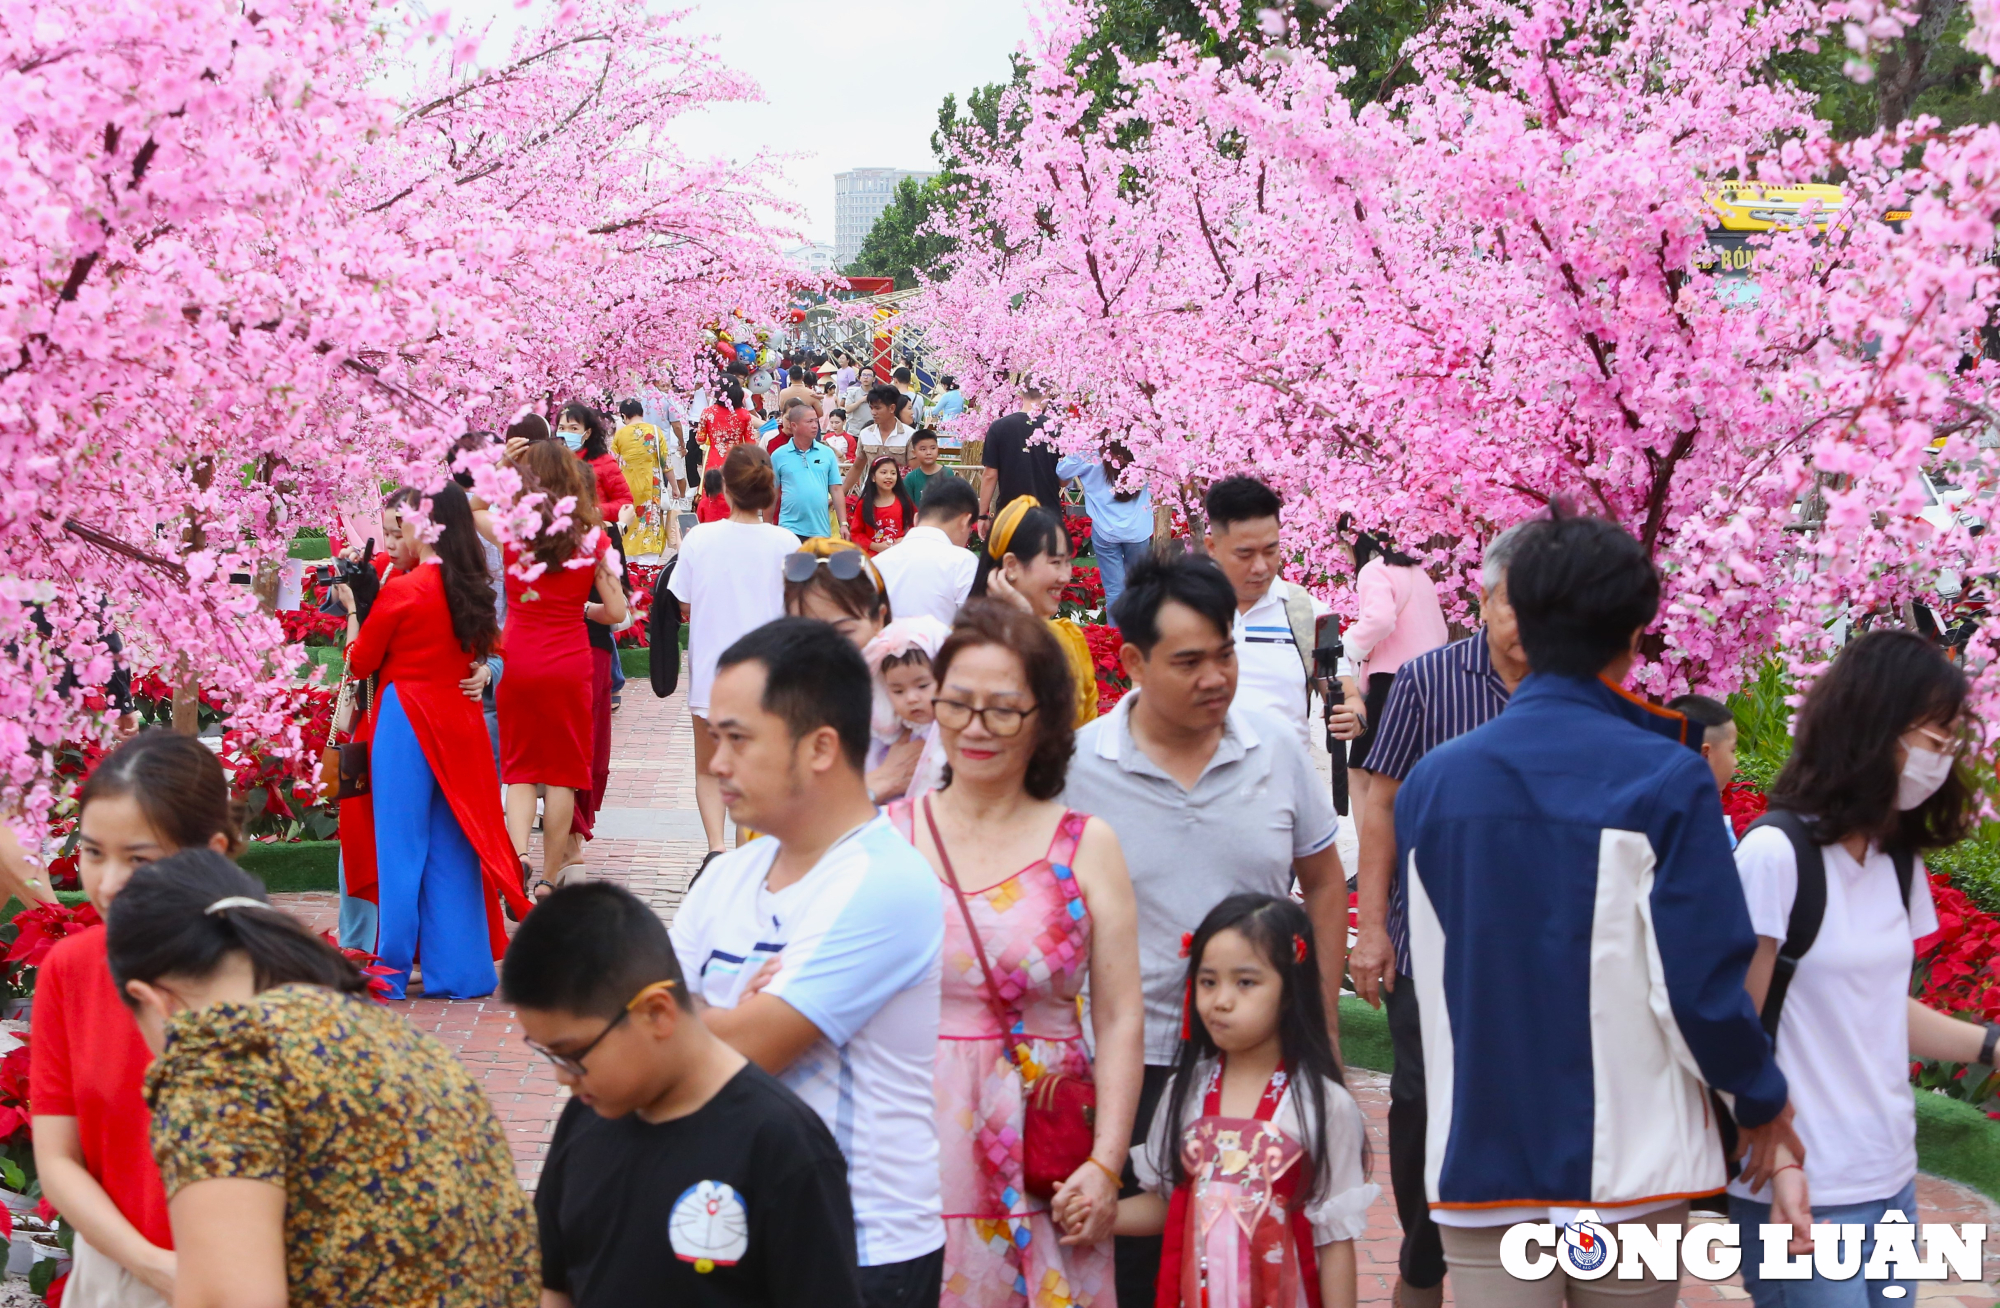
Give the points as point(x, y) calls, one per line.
point(816, 257)
point(859, 197)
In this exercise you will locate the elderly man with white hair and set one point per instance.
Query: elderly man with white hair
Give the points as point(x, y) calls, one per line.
point(1436, 696)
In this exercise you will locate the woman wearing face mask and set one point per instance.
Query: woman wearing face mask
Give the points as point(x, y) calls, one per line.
point(1026, 563)
point(315, 1147)
point(588, 436)
point(1873, 782)
point(153, 795)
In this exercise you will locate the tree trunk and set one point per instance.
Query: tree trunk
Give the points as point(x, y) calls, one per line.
point(1900, 78)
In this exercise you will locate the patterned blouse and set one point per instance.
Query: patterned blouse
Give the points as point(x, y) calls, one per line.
point(399, 1188)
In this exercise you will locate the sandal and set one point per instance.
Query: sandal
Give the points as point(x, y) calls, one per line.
point(527, 888)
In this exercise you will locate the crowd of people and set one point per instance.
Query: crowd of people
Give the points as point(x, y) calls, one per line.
point(998, 1000)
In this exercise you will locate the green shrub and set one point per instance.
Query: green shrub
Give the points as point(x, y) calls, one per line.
point(1763, 724)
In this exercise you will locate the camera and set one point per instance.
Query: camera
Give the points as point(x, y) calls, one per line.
point(357, 575)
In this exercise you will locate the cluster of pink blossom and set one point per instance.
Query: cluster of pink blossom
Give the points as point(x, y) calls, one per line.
point(1440, 313)
point(241, 285)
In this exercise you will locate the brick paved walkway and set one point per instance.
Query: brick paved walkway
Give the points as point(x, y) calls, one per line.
point(651, 842)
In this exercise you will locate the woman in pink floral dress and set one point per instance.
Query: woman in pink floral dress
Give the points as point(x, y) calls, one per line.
point(1045, 887)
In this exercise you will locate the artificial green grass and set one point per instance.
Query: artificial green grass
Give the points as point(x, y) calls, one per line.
point(1956, 1140)
point(293, 866)
point(310, 548)
point(1364, 1036)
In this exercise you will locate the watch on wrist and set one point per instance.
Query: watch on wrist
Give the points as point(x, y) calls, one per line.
point(1986, 1045)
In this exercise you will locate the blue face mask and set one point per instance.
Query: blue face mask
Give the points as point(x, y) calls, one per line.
point(573, 439)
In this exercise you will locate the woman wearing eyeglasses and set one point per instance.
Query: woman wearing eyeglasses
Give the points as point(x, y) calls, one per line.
point(316, 1148)
point(1871, 784)
point(1037, 904)
point(729, 579)
point(1026, 563)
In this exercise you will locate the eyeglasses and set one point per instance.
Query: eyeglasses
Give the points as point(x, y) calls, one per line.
point(1945, 742)
point(995, 718)
point(845, 565)
point(573, 1063)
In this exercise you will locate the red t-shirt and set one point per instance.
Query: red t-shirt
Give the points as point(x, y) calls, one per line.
point(89, 1062)
point(711, 508)
point(888, 529)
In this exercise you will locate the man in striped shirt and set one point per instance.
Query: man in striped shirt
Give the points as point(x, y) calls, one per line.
point(1436, 696)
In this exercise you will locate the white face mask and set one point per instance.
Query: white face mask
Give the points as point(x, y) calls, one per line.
point(1924, 770)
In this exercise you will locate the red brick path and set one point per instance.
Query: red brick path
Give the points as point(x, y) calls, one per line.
point(653, 769)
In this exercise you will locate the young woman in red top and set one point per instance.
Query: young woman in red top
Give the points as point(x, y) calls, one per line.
point(546, 731)
point(883, 513)
point(153, 795)
point(725, 424)
point(585, 431)
point(429, 841)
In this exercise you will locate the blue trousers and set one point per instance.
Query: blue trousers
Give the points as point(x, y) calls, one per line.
point(1113, 558)
point(357, 916)
point(429, 889)
point(1748, 1214)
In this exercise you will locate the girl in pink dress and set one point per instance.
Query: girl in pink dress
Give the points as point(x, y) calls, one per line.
point(1045, 889)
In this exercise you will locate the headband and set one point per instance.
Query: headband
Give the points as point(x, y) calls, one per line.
point(233, 901)
point(1004, 524)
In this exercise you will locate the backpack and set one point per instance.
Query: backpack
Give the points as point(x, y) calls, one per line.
point(663, 635)
point(1801, 929)
point(1809, 905)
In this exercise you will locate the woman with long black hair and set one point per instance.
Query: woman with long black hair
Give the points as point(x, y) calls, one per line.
point(429, 841)
point(588, 435)
point(1871, 785)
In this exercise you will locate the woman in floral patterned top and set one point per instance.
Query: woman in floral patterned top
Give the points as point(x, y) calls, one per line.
point(316, 1148)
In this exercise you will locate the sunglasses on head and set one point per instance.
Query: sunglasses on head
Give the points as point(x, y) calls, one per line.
point(845, 565)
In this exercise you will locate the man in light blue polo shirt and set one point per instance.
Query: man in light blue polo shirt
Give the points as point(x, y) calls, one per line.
point(808, 475)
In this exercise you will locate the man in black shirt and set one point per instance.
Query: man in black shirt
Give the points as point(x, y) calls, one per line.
point(680, 1173)
point(1016, 464)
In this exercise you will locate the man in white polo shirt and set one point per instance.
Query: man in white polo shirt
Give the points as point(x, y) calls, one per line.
point(1209, 798)
point(930, 571)
point(1275, 620)
point(815, 950)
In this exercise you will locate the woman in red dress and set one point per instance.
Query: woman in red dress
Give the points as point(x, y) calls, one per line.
point(546, 733)
point(725, 424)
point(428, 843)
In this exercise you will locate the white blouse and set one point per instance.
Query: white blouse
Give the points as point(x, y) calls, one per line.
point(1341, 1213)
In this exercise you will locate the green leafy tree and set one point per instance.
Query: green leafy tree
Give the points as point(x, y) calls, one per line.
point(1927, 70)
point(900, 245)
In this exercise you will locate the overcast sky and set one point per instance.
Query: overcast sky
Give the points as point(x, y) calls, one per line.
point(847, 83)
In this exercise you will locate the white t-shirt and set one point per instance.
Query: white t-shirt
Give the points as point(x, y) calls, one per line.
point(927, 574)
point(1844, 1035)
point(860, 938)
point(731, 575)
point(1269, 676)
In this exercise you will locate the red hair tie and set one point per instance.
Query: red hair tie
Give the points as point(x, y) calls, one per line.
point(1187, 943)
point(1187, 1013)
point(1298, 949)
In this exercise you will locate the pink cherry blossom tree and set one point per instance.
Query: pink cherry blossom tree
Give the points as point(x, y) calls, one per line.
point(1439, 314)
point(242, 286)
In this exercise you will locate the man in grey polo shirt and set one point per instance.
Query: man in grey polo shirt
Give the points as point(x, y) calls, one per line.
point(1207, 801)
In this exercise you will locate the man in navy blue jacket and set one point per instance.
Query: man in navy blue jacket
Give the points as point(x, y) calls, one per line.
point(1578, 935)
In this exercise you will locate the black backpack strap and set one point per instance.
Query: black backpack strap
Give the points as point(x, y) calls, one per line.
point(1906, 872)
point(1808, 909)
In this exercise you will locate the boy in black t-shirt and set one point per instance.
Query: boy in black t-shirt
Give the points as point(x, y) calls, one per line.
point(680, 1173)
